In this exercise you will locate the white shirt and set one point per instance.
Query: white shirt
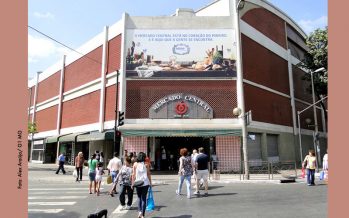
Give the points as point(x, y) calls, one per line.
point(114, 164)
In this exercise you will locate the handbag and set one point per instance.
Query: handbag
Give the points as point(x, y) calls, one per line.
point(109, 180)
point(75, 173)
point(138, 183)
point(322, 175)
point(150, 200)
point(303, 173)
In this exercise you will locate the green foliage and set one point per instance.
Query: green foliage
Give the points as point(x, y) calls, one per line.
point(315, 58)
point(32, 128)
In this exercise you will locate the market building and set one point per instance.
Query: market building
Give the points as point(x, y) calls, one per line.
point(176, 81)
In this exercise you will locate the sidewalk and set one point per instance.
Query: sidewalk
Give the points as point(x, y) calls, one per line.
point(157, 179)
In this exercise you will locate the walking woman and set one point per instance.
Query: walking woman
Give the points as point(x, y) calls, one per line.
point(310, 164)
point(79, 163)
point(92, 164)
point(141, 172)
point(185, 171)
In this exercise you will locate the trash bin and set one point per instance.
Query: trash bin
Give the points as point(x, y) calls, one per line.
point(216, 174)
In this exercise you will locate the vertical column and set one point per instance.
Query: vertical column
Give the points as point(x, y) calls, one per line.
point(103, 80)
point(34, 112)
point(264, 147)
point(122, 79)
point(60, 97)
point(290, 78)
point(323, 119)
point(240, 85)
point(60, 100)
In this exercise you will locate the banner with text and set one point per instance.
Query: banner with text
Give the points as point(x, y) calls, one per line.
point(180, 53)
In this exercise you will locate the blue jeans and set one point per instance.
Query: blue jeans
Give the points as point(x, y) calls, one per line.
point(187, 181)
point(142, 192)
point(114, 174)
point(311, 177)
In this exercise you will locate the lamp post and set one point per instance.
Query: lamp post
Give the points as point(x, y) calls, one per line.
point(316, 141)
point(237, 5)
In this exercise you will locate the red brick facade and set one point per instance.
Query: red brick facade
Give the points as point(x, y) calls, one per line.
point(264, 67)
point(46, 119)
point(267, 106)
point(49, 87)
point(110, 99)
point(267, 23)
point(114, 54)
point(81, 111)
point(219, 94)
point(83, 70)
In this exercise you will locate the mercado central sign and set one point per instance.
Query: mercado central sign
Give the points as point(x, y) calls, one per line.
point(181, 105)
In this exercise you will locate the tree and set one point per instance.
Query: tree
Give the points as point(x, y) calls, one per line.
point(315, 58)
point(32, 128)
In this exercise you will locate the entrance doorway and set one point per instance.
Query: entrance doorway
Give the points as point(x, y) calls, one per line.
point(167, 150)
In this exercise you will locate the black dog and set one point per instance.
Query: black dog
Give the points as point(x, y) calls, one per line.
point(100, 214)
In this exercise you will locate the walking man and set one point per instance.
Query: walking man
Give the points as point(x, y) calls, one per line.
point(114, 167)
point(201, 166)
point(61, 160)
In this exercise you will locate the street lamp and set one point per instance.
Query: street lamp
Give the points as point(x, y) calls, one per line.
point(237, 5)
point(238, 112)
point(314, 108)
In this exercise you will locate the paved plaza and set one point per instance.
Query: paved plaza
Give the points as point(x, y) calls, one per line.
point(51, 195)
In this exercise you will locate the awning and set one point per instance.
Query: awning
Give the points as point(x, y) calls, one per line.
point(180, 130)
point(71, 137)
point(96, 136)
point(52, 139)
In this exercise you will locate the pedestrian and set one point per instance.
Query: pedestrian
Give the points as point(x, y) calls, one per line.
point(141, 172)
point(133, 158)
point(99, 174)
point(61, 160)
point(325, 166)
point(125, 178)
point(92, 165)
point(97, 155)
point(114, 167)
point(185, 171)
point(310, 164)
point(101, 158)
point(193, 159)
point(79, 163)
point(201, 166)
point(124, 157)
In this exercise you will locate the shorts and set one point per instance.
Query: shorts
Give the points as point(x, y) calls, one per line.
point(202, 174)
point(92, 176)
point(98, 178)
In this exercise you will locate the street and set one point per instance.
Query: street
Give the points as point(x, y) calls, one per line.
point(52, 195)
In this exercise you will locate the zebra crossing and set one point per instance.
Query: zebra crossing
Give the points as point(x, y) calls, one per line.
point(48, 201)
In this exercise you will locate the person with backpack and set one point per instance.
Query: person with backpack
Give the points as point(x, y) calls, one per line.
point(92, 165)
point(125, 178)
point(141, 179)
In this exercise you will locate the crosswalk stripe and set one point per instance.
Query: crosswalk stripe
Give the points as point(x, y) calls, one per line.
point(45, 210)
point(52, 203)
point(57, 189)
point(48, 193)
point(55, 197)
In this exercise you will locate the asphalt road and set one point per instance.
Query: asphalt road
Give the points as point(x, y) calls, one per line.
point(71, 199)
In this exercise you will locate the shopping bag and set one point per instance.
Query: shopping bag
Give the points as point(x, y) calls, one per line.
point(150, 200)
point(109, 180)
point(303, 173)
point(75, 173)
point(322, 175)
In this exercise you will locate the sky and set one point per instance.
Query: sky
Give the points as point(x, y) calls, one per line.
point(75, 22)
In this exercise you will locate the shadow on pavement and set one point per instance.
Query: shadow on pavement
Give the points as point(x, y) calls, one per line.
point(214, 187)
point(180, 216)
point(219, 194)
point(62, 214)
